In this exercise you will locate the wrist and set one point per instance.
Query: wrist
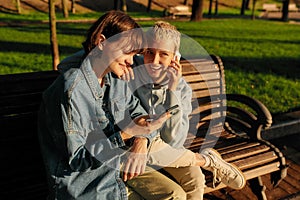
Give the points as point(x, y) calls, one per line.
point(125, 136)
point(140, 140)
point(136, 141)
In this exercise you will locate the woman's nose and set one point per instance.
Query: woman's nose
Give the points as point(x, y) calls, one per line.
point(129, 60)
point(156, 58)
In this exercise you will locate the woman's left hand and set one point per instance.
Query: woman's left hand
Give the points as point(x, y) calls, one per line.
point(128, 74)
point(174, 72)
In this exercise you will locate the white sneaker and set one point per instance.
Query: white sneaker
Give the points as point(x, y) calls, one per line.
point(223, 171)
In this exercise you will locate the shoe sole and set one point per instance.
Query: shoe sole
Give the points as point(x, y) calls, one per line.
point(234, 166)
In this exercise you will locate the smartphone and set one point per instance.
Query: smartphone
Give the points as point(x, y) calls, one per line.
point(177, 56)
point(172, 108)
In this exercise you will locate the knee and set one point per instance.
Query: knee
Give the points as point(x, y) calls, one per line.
point(194, 183)
point(177, 193)
point(197, 178)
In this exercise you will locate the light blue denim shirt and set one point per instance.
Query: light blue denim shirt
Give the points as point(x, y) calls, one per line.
point(79, 131)
point(156, 99)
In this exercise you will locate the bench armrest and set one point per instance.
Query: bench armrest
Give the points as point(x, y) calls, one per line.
point(250, 117)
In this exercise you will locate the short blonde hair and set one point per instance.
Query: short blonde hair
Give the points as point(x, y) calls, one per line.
point(162, 31)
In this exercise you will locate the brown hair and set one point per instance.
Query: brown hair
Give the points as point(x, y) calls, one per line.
point(109, 24)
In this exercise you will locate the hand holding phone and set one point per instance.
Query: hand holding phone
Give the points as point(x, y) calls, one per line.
point(177, 56)
point(170, 110)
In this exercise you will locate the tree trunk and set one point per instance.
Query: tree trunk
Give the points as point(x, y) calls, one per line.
point(210, 7)
point(123, 5)
point(53, 39)
point(253, 9)
point(243, 7)
point(248, 3)
point(18, 6)
point(285, 10)
point(197, 10)
point(216, 7)
point(149, 5)
point(116, 6)
point(73, 10)
point(64, 4)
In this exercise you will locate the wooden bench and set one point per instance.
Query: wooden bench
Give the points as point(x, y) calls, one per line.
point(180, 10)
point(293, 7)
point(233, 129)
point(270, 7)
point(238, 140)
point(173, 10)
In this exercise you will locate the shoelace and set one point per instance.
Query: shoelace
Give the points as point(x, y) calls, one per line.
point(220, 174)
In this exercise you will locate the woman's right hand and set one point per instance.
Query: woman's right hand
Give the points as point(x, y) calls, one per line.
point(140, 125)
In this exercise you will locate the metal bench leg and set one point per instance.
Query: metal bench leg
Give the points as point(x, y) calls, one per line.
point(258, 188)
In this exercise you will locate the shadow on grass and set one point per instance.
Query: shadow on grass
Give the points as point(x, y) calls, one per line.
point(33, 48)
point(62, 28)
point(247, 40)
point(284, 66)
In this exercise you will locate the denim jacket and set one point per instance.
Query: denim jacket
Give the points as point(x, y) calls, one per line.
point(79, 131)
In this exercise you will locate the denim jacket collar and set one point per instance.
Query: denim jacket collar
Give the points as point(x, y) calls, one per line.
point(91, 78)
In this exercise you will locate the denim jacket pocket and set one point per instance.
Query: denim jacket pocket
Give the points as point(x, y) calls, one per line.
point(119, 109)
point(101, 115)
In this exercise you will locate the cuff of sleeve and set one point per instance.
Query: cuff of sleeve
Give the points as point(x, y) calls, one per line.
point(129, 142)
point(116, 140)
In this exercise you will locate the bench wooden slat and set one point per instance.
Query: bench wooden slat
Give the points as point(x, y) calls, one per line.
point(262, 170)
point(257, 160)
point(26, 82)
point(237, 147)
point(243, 153)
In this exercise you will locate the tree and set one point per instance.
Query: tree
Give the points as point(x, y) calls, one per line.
point(64, 4)
point(285, 10)
point(73, 6)
point(18, 6)
point(197, 10)
point(253, 9)
point(149, 5)
point(123, 5)
point(210, 7)
point(248, 3)
point(53, 38)
point(243, 7)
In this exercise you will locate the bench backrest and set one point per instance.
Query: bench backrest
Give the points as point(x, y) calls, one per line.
point(293, 7)
point(181, 8)
point(270, 7)
point(20, 97)
point(206, 78)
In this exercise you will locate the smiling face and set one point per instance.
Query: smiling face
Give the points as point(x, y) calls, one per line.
point(157, 58)
point(117, 58)
point(115, 54)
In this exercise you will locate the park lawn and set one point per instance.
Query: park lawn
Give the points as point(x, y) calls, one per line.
point(261, 58)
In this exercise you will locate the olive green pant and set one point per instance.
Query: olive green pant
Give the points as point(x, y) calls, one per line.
point(178, 183)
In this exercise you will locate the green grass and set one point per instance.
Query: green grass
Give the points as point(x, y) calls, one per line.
point(261, 58)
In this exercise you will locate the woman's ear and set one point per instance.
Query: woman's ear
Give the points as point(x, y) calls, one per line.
point(100, 41)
